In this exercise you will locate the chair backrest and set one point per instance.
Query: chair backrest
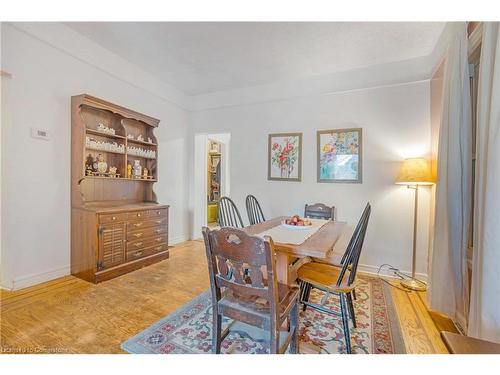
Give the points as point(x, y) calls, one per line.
point(354, 248)
point(319, 211)
point(254, 212)
point(236, 260)
point(228, 214)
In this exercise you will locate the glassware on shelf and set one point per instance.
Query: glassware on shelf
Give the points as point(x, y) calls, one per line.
point(104, 145)
point(105, 129)
point(139, 151)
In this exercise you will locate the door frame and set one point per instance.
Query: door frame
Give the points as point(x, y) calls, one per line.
point(200, 177)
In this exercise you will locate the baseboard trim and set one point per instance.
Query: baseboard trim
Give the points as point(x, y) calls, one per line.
point(27, 281)
point(367, 268)
point(178, 239)
point(30, 280)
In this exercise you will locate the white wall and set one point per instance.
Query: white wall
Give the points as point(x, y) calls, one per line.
point(396, 124)
point(49, 63)
point(36, 173)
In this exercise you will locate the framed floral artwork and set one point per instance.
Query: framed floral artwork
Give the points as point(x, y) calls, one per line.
point(340, 155)
point(285, 157)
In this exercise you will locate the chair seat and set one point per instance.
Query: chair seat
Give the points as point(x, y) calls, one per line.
point(259, 308)
point(458, 344)
point(324, 276)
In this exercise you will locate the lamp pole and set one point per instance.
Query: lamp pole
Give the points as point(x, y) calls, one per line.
point(413, 283)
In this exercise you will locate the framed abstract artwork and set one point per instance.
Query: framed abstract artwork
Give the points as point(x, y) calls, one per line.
point(340, 155)
point(285, 157)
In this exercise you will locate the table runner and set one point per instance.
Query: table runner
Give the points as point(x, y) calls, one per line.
point(282, 234)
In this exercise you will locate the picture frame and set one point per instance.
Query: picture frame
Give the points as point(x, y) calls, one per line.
point(284, 157)
point(340, 155)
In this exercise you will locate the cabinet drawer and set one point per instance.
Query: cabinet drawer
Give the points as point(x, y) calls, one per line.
point(143, 233)
point(146, 242)
point(137, 254)
point(142, 224)
point(112, 218)
point(138, 215)
point(160, 212)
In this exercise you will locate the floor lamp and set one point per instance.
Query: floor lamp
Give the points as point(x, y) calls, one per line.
point(413, 173)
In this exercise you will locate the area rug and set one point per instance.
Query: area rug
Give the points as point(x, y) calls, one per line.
point(188, 330)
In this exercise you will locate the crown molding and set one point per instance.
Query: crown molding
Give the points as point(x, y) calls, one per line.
point(389, 74)
point(65, 39)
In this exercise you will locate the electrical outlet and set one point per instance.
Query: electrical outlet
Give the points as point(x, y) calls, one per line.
point(40, 134)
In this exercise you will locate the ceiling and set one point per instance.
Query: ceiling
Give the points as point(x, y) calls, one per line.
point(204, 57)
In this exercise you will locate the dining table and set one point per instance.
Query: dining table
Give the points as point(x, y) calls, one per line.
point(293, 249)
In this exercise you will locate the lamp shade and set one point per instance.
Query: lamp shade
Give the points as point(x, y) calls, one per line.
point(415, 171)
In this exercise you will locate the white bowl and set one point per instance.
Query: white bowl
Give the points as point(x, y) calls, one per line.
point(296, 227)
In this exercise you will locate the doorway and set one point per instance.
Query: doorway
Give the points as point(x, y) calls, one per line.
point(211, 179)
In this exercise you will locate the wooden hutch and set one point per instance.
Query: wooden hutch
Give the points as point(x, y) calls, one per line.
point(117, 224)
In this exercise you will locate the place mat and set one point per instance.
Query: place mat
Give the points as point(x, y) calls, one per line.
point(282, 234)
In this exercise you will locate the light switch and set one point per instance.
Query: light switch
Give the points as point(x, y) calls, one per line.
point(40, 133)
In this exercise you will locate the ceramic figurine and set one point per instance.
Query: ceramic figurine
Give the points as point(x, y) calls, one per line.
point(130, 136)
point(145, 172)
point(137, 169)
point(140, 137)
point(112, 171)
point(150, 140)
point(129, 170)
point(89, 162)
point(99, 164)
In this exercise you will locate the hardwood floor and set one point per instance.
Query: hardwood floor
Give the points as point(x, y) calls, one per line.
point(69, 315)
point(420, 334)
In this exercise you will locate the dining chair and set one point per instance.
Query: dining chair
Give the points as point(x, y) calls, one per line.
point(254, 212)
point(337, 281)
point(228, 214)
point(319, 211)
point(257, 303)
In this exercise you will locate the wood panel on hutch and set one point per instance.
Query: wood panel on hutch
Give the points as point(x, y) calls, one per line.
point(117, 224)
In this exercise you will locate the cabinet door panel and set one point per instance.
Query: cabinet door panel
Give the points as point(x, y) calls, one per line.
point(111, 245)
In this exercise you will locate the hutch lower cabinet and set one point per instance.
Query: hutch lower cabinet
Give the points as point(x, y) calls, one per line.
point(117, 225)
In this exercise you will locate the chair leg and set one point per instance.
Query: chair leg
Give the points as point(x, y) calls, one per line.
point(354, 294)
point(351, 309)
point(305, 298)
point(345, 322)
point(294, 322)
point(216, 333)
point(275, 339)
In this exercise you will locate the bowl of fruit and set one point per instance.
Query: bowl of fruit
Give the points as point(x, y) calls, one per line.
point(296, 222)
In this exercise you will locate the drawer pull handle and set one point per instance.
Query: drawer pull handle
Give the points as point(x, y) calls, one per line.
point(159, 239)
point(138, 215)
point(158, 231)
point(158, 248)
point(137, 235)
point(158, 221)
point(159, 212)
point(113, 218)
point(137, 224)
point(138, 253)
point(138, 244)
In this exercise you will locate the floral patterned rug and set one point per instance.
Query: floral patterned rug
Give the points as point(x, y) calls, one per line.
point(188, 330)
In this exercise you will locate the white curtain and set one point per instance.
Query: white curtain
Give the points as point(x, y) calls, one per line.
point(484, 319)
point(448, 285)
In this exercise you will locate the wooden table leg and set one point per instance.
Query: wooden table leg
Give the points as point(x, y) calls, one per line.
point(286, 271)
point(283, 268)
